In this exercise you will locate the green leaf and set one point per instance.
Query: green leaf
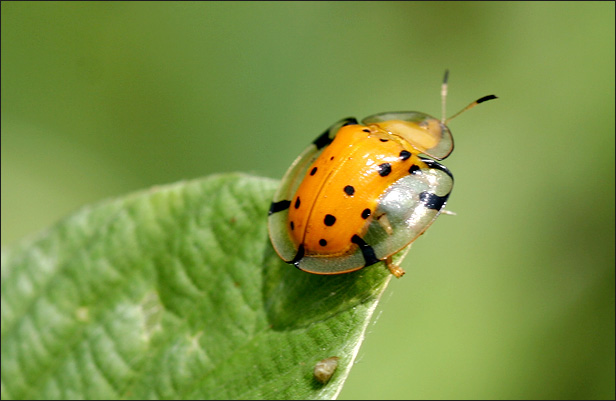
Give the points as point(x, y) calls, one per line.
point(177, 293)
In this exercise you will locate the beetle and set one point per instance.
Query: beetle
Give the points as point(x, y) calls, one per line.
point(361, 192)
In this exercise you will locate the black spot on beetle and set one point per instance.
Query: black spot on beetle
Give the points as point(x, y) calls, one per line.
point(323, 140)
point(297, 203)
point(298, 256)
point(384, 140)
point(365, 214)
point(366, 130)
point(350, 121)
point(349, 190)
point(384, 169)
point(433, 201)
point(414, 169)
point(366, 250)
point(279, 206)
point(314, 170)
point(435, 165)
point(329, 220)
point(322, 242)
point(405, 154)
point(292, 225)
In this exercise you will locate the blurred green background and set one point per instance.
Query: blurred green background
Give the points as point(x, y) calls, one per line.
point(511, 298)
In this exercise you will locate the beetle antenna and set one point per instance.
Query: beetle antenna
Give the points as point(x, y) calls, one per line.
point(444, 96)
point(470, 106)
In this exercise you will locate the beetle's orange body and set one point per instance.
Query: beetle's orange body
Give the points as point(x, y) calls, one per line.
point(339, 194)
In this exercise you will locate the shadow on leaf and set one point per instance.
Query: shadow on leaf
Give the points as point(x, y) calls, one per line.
point(295, 299)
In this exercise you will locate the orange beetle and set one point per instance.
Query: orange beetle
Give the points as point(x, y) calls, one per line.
point(362, 192)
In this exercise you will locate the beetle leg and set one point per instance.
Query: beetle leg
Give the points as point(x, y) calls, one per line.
point(393, 268)
point(384, 222)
